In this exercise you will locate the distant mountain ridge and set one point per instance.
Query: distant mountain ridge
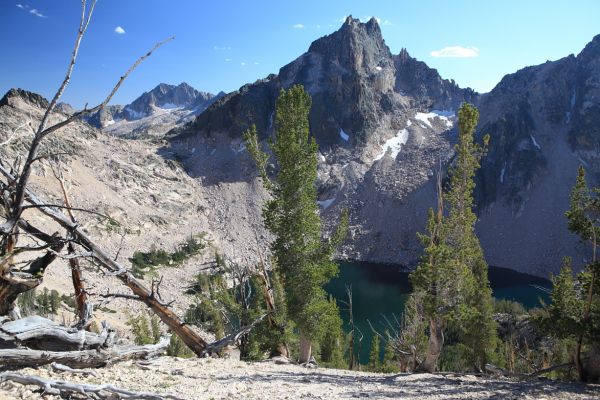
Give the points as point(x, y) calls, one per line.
point(161, 108)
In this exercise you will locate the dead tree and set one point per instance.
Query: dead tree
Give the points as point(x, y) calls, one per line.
point(15, 197)
point(84, 307)
point(67, 389)
point(352, 341)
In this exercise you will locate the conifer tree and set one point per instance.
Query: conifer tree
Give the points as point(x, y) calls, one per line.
point(374, 360)
point(388, 364)
point(575, 309)
point(452, 277)
point(474, 321)
point(292, 215)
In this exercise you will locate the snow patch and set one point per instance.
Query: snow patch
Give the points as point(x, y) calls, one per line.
point(239, 149)
point(344, 135)
point(213, 151)
point(582, 161)
point(322, 157)
point(108, 123)
point(326, 203)
point(394, 144)
point(535, 143)
point(378, 68)
point(169, 105)
point(444, 115)
point(135, 114)
point(502, 173)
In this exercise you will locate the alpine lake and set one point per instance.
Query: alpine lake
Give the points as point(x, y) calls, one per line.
point(379, 292)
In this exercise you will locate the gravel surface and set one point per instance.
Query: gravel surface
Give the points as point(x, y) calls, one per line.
point(229, 379)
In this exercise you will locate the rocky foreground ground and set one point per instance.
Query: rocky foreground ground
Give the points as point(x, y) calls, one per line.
point(229, 379)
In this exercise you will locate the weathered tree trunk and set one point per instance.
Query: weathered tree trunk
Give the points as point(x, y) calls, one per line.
point(82, 358)
point(434, 348)
point(591, 367)
point(43, 334)
point(67, 389)
point(12, 284)
point(187, 334)
point(305, 349)
point(84, 307)
point(269, 297)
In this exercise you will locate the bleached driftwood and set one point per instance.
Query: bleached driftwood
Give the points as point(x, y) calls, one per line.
point(64, 388)
point(40, 333)
point(82, 358)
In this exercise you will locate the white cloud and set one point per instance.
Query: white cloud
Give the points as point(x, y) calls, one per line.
point(456, 52)
point(221, 48)
point(32, 11)
point(227, 59)
point(386, 22)
point(119, 30)
point(256, 63)
point(298, 26)
point(37, 13)
point(243, 63)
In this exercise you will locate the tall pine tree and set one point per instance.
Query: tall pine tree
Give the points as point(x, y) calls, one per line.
point(292, 215)
point(575, 309)
point(475, 324)
point(452, 277)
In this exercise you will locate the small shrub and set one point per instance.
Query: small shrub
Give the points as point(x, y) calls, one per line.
point(143, 263)
point(177, 348)
point(145, 330)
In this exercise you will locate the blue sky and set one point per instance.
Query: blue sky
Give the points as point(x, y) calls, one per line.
point(221, 45)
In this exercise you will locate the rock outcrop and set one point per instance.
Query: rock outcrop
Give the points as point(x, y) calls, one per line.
point(386, 123)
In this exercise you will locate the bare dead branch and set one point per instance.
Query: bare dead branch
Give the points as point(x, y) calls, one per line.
point(189, 337)
point(69, 209)
point(42, 132)
point(83, 25)
point(66, 389)
point(13, 134)
point(232, 338)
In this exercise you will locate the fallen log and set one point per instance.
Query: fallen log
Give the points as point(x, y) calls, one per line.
point(187, 334)
point(40, 333)
point(64, 388)
point(493, 369)
point(83, 358)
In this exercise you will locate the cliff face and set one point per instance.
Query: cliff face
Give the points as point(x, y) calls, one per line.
point(385, 123)
point(544, 122)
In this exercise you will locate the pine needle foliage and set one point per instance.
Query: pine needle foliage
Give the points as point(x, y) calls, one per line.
point(452, 278)
point(303, 258)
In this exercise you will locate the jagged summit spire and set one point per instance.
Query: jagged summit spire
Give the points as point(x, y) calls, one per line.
point(353, 36)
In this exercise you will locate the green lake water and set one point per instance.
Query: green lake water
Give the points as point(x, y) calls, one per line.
point(381, 290)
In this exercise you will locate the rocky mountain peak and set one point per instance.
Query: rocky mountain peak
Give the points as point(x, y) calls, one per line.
point(355, 45)
point(164, 96)
point(16, 95)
